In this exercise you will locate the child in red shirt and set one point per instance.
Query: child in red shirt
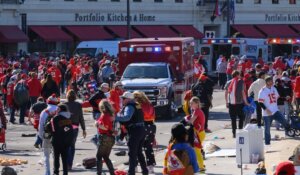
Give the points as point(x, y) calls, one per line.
point(198, 120)
point(106, 138)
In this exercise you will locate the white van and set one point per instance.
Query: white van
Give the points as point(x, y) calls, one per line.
point(94, 48)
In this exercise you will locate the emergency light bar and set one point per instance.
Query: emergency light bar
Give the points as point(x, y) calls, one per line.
point(223, 41)
point(283, 41)
point(149, 48)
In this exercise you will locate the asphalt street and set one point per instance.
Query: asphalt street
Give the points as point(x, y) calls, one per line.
point(22, 147)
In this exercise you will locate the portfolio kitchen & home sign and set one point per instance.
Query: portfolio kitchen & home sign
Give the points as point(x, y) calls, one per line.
point(282, 17)
point(113, 17)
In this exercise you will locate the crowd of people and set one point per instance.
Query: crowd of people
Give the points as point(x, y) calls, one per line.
point(34, 88)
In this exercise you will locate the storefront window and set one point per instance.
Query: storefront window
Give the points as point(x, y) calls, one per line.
point(158, 0)
point(275, 1)
point(239, 1)
point(292, 1)
point(178, 1)
point(137, 0)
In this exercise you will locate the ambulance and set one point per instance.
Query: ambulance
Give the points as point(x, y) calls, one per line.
point(160, 67)
point(96, 48)
point(211, 49)
point(283, 47)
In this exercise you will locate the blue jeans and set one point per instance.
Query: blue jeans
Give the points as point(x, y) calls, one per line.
point(47, 146)
point(71, 152)
point(268, 121)
point(22, 114)
point(38, 140)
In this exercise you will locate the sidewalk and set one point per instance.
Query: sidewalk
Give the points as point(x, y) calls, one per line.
point(280, 150)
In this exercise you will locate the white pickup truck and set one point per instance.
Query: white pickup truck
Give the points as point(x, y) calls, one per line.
point(156, 80)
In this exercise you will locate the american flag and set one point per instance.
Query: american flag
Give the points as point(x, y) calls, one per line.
point(232, 11)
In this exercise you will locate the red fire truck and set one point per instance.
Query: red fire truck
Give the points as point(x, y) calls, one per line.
point(160, 67)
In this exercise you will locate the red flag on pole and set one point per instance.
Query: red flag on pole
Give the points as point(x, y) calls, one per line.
point(217, 9)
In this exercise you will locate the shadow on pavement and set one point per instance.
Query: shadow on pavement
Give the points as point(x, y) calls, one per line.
point(19, 153)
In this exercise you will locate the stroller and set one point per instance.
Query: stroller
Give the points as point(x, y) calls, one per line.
point(294, 126)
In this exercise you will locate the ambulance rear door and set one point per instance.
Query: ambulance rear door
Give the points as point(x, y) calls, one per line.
point(206, 52)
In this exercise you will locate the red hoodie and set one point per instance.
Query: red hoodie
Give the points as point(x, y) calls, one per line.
point(35, 87)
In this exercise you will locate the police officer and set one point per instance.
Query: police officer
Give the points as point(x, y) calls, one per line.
point(132, 117)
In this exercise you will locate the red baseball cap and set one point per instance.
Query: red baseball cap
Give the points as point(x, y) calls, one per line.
point(287, 167)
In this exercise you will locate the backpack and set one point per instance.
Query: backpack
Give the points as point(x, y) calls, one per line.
point(21, 94)
point(48, 125)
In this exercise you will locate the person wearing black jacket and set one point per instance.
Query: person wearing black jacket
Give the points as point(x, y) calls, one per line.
point(280, 101)
point(62, 135)
point(49, 88)
point(77, 119)
point(95, 99)
point(132, 117)
point(203, 89)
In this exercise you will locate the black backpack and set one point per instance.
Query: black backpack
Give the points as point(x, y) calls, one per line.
point(48, 125)
point(21, 94)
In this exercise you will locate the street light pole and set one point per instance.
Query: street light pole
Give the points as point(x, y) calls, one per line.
point(128, 19)
point(228, 18)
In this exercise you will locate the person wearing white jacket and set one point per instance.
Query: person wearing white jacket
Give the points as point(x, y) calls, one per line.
point(254, 89)
point(51, 109)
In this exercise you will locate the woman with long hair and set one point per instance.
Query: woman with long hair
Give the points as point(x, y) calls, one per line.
point(150, 127)
point(106, 136)
point(49, 87)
